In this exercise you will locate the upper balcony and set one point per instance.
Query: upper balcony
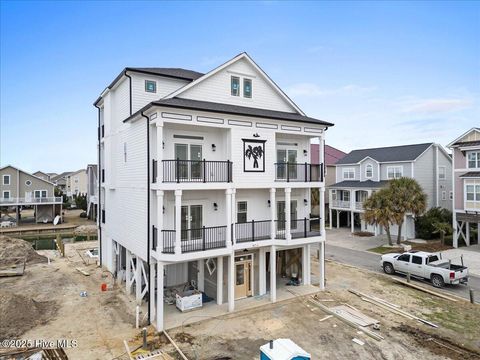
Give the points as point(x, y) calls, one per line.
point(298, 172)
point(12, 201)
point(194, 171)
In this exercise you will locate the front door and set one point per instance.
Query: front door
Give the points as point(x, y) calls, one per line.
point(28, 196)
point(286, 156)
point(192, 221)
point(243, 286)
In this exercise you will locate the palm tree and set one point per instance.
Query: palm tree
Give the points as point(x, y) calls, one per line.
point(378, 211)
point(407, 197)
point(255, 152)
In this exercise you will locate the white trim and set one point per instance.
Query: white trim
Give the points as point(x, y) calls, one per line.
point(477, 160)
point(392, 167)
point(225, 65)
point(25, 172)
point(445, 177)
point(349, 170)
point(463, 135)
point(6, 192)
point(366, 167)
point(41, 190)
point(9, 179)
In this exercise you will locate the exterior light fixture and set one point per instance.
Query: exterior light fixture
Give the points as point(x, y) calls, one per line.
point(305, 202)
point(256, 135)
point(269, 203)
point(214, 147)
point(163, 145)
point(215, 206)
point(305, 152)
point(163, 209)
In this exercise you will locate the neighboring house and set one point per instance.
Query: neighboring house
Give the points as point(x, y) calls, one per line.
point(42, 175)
point(19, 188)
point(60, 181)
point(466, 178)
point(92, 191)
point(77, 183)
point(207, 178)
point(332, 155)
point(362, 172)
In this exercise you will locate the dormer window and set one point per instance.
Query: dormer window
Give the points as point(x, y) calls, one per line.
point(369, 171)
point(235, 86)
point(150, 86)
point(247, 88)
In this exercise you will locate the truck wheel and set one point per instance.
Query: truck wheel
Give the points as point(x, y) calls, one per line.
point(437, 281)
point(388, 269)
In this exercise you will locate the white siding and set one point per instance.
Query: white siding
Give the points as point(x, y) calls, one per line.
point(217, 89)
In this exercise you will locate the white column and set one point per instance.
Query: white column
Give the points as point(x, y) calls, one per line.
point(152, 292)
point(405, 228)
point(234, 214)
point(159, 219)
point(228, 213)
point(159, 151)
point(304, 265)
point(338, 219)
point(128, 272)
point(288, 215)
point(200, 275)
point(178, 221)
point(352, 206)
point(321, 198)
point(273, 274)
point(138, 280)
point(159, 311)
point(321, 261)
point(467, 233)
point(219, 280)
point(309, 264)
point(262, 272)
point(231, 282)
point(352, 221)
point(330, 216)
point(273, 210)
point(478, 233)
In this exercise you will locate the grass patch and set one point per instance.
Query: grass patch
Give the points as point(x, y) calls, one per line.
point(430, 246)
point(385, 250)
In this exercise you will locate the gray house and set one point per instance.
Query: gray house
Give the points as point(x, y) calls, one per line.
point(362, 172)
point(19, 188)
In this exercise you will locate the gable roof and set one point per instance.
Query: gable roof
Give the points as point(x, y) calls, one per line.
point(26, 172)
point(457, 141)
point(332, 155)
point(240, 56)
point(386, 154)
point(62, 175)
point(229, 109)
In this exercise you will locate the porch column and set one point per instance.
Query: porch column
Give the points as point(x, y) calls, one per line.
point(219, 280)
point(455, 225)
point(128, 272)
point(478, 233)
point(322, 211)
point(330, 216)
point(228, 212)
point(178, 221)
point(305, 269)
point(467, 233)
point(159, 219)
point(200, 275)
point(159, 154)
point(273, 274)
point(288, 215)
point(273, 210)
point(138, 280)
point(151, 292)
point(231, 282)
point(159, 311)
point(338, 219)
point(352, 207)
point(234, 214)
point(262, 272)
point(321, 261)
point(352, 221)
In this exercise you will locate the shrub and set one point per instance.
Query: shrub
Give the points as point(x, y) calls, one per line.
point(425, 224)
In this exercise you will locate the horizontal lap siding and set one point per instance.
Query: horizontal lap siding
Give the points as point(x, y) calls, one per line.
point(425, 175)
point(445, 185)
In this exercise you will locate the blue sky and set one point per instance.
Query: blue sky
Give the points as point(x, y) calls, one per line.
point(384, 73)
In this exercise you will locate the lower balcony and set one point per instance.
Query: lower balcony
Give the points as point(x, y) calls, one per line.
point(10, 201)
point(252, 231)
point(343, 204)
point(193, 240)
point(299, 228)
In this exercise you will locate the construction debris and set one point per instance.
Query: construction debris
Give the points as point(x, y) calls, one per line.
point(354, 316)
point(326, 318)
point(390, 307)
point(428, 291)
point(175, 346)
point(12, 248)
point(357, 341)
point(16, 267)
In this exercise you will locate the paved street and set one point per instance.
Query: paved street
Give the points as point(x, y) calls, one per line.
point(371, 262)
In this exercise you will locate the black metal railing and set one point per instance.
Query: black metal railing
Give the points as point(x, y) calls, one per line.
point(280, 229)
point(154, 237)
point(154, 170)
point(103, 131)
point(298, 172)
point(252, 230)
point(103, 175)
point(168, 240)
point(103, 216)
point(197, 171)
point(303, 228)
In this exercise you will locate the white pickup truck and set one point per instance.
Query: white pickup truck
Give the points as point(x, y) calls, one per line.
point(426, 266)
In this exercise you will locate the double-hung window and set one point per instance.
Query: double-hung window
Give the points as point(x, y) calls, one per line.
point(235, 86)
point(474, 160)
point(334, 195)
point(6, 179)
point(346, 195)
point(247, 88)
point(369, 171)
point(442, 173)
point(348, 174)
point(394, 172)
point(6, 194)
point(40, 194)
point(242, 212)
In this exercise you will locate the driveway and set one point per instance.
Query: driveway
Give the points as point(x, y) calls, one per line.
point(471, 257)
point(344, 238)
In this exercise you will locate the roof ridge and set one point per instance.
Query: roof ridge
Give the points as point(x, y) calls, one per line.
point(393, 146)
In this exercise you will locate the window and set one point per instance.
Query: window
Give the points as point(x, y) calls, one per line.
point(417, 260)
point(242, 212)
point(444, 195)
point(404, 257)
point(334, 194)
point(6, 194)
point(369, 171)
point(40, 194)
point(247, 88)
point(442, 173)
point(28, 183)
point(346, 195)
point(150, 86)
point(235, 86)
point(432, 258)
point(348, 174)
point(6, 179)
point(394, 172)
point(474, 160)
point(450, 196)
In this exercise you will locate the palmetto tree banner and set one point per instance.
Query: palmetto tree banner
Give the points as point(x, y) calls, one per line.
point(253, 155)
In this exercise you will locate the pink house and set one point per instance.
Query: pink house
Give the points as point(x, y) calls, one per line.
point(466, 180)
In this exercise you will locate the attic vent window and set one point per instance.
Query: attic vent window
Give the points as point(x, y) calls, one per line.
point(150, 86)
point(247, 88)
point(235, 86)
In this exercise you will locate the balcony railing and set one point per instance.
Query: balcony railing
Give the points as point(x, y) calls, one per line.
point(252, 231)
point(359, 205)
point(177, 171)
point(32, 200)
point(299, 228)
point(341, 204)
point(204, 238)
point(280, 229)
point(298, 172)
point(154, 237)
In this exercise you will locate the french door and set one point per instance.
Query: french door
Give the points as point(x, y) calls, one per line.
point(282, 217)
point(190, 165)
point(287, 156)
point(192, 222)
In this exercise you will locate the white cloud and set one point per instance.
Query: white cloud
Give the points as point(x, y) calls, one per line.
point(435, 106)
point(313, 90)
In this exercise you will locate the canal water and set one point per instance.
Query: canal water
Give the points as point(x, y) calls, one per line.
point(44, 242)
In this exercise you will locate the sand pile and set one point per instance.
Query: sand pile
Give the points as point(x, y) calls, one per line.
point(12, 249)
point(19, 313)
point(85, 229)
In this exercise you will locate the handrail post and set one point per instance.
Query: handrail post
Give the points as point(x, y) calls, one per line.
point(228, 172)
point(306, 172)
point(305, 227)
point(204, 172)
point(253, 230)
point(203, 236)
point(288, 173)
point(310, 173)
point(177, 169)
